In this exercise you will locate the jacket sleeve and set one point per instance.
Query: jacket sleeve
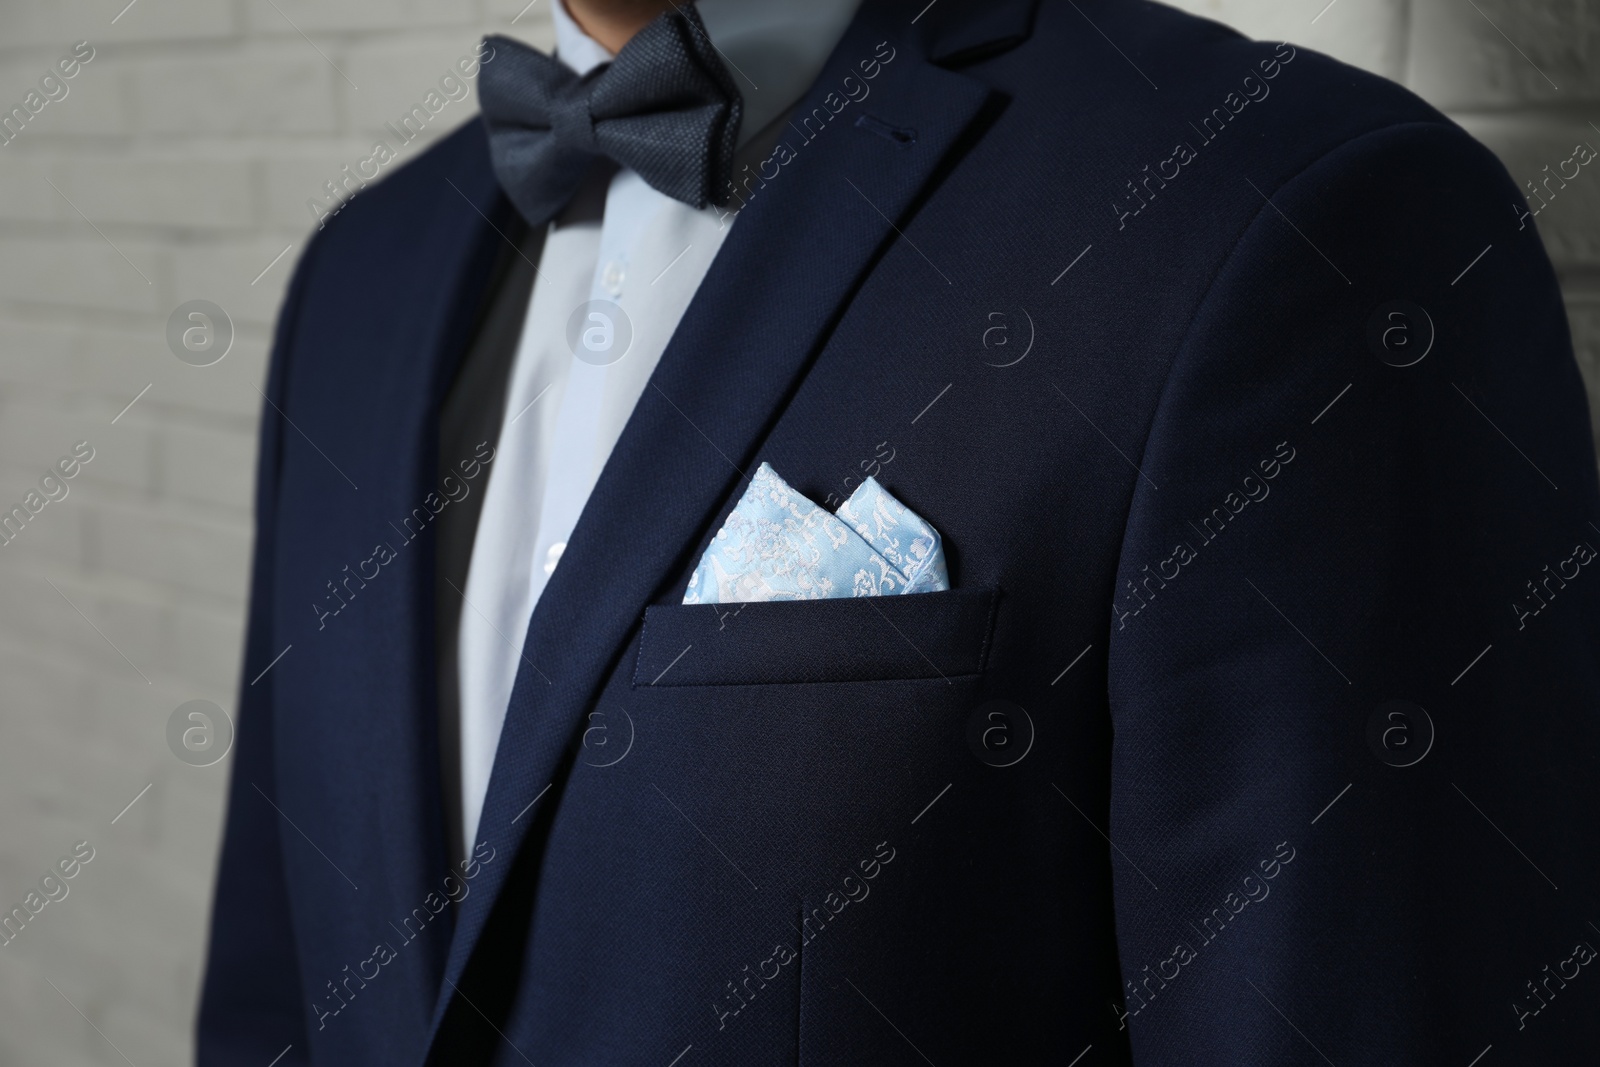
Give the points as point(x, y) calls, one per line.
point(1353, 650)
point(251, 1007)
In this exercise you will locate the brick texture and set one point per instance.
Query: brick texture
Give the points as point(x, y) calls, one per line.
point(177, 166)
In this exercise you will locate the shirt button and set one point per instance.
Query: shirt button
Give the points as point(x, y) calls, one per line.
point(553, 556)
point(612, 277)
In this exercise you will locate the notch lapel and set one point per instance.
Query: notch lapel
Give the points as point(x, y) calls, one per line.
point(783, 277)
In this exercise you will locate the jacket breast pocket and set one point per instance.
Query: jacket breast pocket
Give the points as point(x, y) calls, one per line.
point(941, 635)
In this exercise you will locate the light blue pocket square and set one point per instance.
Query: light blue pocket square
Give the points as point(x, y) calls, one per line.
point(778, 545)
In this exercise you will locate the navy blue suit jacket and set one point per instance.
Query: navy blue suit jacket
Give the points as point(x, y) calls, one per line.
point(1259, 724)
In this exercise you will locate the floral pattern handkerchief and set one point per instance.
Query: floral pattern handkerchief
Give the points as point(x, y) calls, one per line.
point(778, 545)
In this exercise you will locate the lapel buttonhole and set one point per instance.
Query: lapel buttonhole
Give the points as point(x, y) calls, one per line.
point(902, 136)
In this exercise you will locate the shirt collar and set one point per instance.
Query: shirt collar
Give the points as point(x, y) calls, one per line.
point(774, 49)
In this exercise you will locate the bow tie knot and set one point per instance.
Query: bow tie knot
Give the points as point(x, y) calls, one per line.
point(666, 108)
point(571, 123)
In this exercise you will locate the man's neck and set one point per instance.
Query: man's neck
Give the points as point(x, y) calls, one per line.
point(612, 23)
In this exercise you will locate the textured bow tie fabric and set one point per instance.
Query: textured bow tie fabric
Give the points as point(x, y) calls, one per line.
point(778, 545)
point(666, 107)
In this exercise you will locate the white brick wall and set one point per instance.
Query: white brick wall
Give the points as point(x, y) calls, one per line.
point(192, 141)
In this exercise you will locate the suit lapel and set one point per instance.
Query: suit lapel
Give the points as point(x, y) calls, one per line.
point(379, 769)
point(786, 272)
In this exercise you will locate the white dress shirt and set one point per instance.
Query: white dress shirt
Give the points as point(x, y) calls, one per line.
point(646, 256)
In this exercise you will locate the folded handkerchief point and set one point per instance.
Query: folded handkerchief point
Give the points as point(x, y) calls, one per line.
point(899, 535)
point(778, 545)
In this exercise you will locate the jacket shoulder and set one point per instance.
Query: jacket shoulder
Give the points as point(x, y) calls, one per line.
point(1157, 72)
point(383, 217)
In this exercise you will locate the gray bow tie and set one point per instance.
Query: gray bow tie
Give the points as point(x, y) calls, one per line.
point(665, 107)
